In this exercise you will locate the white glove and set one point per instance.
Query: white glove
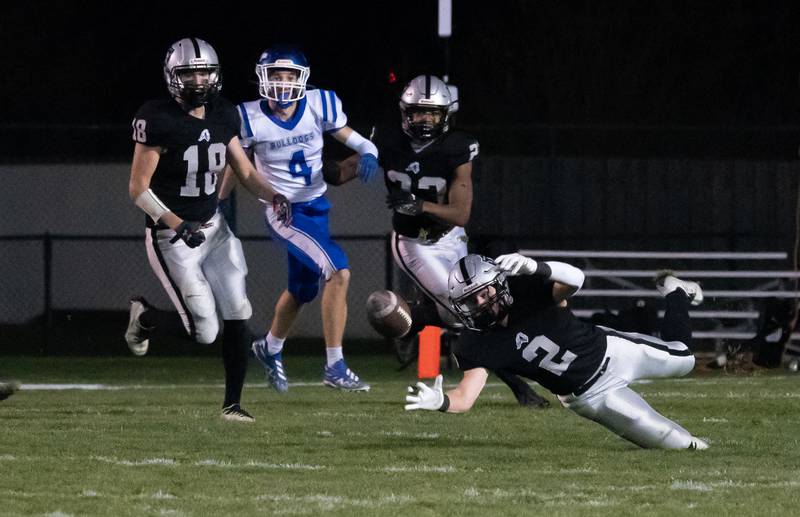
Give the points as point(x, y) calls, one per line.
point(516, 264)
point(424, 397)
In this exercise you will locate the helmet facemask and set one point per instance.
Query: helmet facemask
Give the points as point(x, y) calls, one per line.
point(281, 91)
point(191, 91)
point(420, 127)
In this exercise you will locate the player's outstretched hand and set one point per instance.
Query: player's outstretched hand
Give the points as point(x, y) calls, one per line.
point(189, 233)
point(423, 397)
point(404, 202)
point(367, 166)
point(516, 264)
point(282, 209)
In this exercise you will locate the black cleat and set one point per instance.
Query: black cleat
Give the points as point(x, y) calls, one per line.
point(235, 413)
point(7, 389)
point(529, 398)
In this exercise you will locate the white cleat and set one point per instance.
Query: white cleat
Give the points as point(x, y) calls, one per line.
point(697, 444)
point(666, 283)
point(137, 336)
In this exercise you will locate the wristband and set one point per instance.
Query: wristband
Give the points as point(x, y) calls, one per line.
point(445, 404)
point(151, 205)
point(565, 274)
point(361, 145)
point(543, 269)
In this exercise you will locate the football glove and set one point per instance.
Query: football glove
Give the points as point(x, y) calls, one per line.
point(423, 397)
point(404, 202)
point(367, 167)
point(282, 209)
point(516, 264)
point(189, 233)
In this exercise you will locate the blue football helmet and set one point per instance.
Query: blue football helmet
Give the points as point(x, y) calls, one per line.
point(282, 58)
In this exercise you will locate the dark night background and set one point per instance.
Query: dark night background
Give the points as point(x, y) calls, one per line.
point(519, 64)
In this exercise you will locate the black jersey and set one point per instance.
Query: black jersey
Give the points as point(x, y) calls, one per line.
point(543, 342)
point(193, 153)
point(427, 173)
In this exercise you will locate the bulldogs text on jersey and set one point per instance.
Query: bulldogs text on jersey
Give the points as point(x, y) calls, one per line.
point(289, 153)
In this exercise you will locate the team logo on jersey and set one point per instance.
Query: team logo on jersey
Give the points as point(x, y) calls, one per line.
point(205, 135)
point(522, 339)
point(413, 168)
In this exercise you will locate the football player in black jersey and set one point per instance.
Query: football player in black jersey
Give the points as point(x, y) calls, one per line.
point(182, 144)
point(523, 324)
point(428, 173)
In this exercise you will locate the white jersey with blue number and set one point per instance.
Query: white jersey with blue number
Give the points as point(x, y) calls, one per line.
point(289, 153)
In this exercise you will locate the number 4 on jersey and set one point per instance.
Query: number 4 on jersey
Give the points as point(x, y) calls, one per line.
point(299, 167)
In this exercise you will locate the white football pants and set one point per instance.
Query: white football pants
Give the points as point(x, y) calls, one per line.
point(429, 264)
point(611, 403)
point(199, 279)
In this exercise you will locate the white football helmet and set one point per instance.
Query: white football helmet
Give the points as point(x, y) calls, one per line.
point(422, 94)
point(470, 275)
point(190, 55)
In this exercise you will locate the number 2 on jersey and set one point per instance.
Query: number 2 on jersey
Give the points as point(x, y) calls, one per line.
point(299, 167)
point(544, 346)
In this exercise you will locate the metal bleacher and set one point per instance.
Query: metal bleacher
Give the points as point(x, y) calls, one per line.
point(735, 284)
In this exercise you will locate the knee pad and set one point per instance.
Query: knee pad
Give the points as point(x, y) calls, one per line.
point(206, 330)
point(304, 292)
point(242, 312)
point(203, 311)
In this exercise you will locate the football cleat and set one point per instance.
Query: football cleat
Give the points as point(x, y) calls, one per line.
point(666, 283)
point(235, 413)
point(7, 389)
point(697, 444)
point(273, 365)
point(530, 399)
point(137, 336)
point(341, 377)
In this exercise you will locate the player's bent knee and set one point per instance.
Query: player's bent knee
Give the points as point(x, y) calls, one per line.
point(243, 312)
point(206, 331)
point(340, 277)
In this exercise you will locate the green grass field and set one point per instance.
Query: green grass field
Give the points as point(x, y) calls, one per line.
point(149, 441)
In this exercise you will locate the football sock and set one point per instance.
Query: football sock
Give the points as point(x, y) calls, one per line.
point(163, 323)
point(235, 347)
point(274, 344)
point(676, 324)
point(517, 385)
point(334, 354)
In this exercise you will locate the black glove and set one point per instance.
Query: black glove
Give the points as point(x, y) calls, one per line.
point(282, 209)
point(404, 202)
point(189, 233)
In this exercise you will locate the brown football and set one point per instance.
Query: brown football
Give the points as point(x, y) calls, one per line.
point(388, 314)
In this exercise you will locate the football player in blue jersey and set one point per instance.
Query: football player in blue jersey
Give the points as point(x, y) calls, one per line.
point(182, 144)
point(524, 324)
point(283, 132)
